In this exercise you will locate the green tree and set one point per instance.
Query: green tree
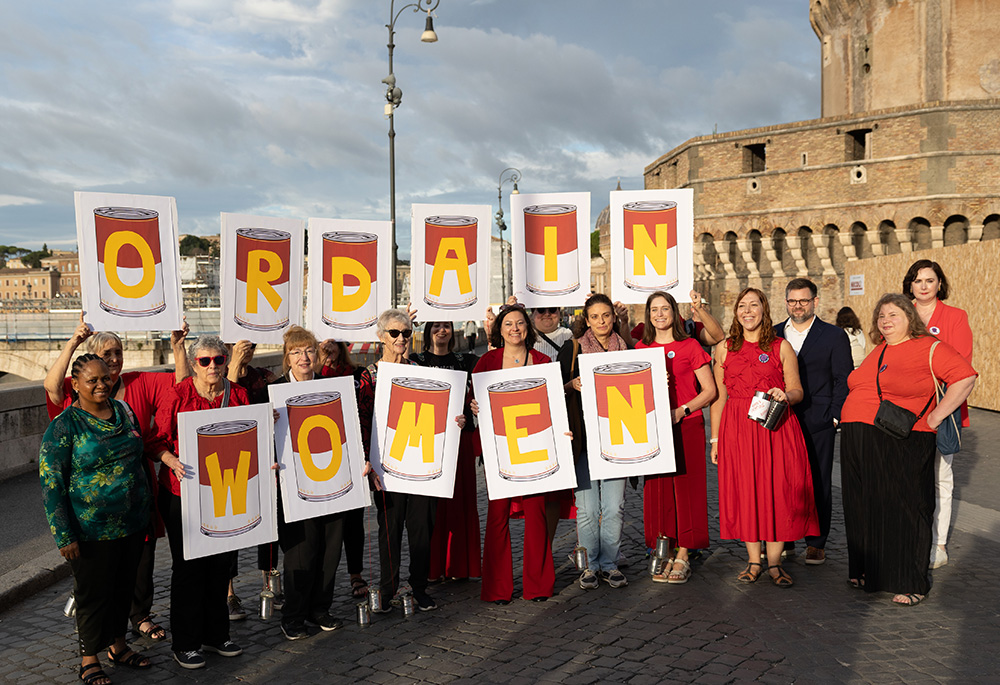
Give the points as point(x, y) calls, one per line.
point(193, 245)
point(595, 244)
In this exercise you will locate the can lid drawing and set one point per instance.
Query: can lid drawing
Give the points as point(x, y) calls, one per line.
point(522, 426)
point(450, 261)
point(626, 412)
point(414, 438)
point(130, 263)
point(650, 241)
point(350, 279)
point(262, 278)
point(551, 248)
point(322, 464)
point(228, 486)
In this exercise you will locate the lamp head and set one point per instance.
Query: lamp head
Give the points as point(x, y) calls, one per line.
point(515, 191)
point(428, 36)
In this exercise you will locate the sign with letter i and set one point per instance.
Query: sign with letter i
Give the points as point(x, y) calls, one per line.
point(261, 280)
point(132, 241)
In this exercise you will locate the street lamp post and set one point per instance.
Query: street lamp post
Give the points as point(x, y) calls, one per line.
point(393, 97)
point(513, 177)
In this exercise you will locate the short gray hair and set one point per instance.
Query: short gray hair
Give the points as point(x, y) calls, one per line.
point(206, 342)
point(387, 317)
point(98, 341)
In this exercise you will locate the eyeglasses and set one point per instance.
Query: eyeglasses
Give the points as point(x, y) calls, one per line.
point(799, 303)
point(395, 333)
point(298, 352)
point(219, 360)
point(546, 310)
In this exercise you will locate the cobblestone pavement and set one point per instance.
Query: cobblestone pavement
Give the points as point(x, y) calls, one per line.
point(711, 630)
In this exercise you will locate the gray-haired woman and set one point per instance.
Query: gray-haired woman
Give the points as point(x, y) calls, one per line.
point(199, 615)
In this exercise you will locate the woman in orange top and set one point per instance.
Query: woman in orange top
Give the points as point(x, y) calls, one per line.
point(926, 285)
point(888, 483)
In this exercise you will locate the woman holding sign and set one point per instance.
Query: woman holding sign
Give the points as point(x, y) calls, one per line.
point(199, 613)
point(765, 485)
point(455, 546)
point(599, 504)
point(676, 505)
point(513, 340)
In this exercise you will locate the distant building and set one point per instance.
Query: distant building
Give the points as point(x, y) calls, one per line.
point(28, 284)
point(200, 282)
point(68, 265)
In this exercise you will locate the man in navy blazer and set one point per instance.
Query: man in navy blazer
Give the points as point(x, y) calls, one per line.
point(824, 353)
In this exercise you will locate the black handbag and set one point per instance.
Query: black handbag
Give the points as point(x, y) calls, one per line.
point(892, 419)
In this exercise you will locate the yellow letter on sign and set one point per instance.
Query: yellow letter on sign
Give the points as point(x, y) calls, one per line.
point(631, 415)
point(320, 422)
point(511, 414)
point(644, 248)
point(551, 247)
point(451, 256)
point(259, 280)
point(413, 430)
point(225, 483)
point(340, 268)
point(116, 241)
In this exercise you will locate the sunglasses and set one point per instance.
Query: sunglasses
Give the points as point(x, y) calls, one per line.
point(395, 333)
point(219, 360)
point(547, 310)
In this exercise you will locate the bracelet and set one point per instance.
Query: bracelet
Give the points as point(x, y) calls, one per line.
point(714, 440)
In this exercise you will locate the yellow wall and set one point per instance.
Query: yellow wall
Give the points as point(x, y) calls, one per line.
point(973, 272)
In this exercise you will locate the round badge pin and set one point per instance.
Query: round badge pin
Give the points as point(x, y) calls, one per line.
point(671, 354)
point(934, 330)
point(763, 359)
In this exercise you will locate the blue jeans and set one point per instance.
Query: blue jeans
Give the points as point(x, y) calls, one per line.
point(599, 508)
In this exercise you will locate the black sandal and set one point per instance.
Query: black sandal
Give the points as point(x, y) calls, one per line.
point(97, 675)
point(130, 658)
point(781, 580)
point(748, 576)
point(156, 633)
point(912, 599)
point(359, 588)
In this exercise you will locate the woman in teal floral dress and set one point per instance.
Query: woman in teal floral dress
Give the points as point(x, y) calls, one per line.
point(97, 498)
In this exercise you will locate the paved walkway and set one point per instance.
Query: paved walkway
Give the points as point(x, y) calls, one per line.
point(711, 630)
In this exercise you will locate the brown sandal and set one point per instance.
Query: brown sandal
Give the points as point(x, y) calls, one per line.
point(748, 576)
point(781, 580)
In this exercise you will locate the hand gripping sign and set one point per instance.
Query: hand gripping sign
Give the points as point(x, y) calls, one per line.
point(349, 279)
point(133, 241)
point(522, 427)
point(414, 445)
point(652, 233)
point(550, 243)
point(625, 397)
point(229, 497)
point(318, 443)
point(449, 272)
point(262, 264)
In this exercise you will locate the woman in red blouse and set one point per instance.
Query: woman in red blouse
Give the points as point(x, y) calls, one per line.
point(676, 505)
point(888, 483)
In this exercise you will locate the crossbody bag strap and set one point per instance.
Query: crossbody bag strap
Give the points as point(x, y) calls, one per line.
point(225, 392)
point(878, 385)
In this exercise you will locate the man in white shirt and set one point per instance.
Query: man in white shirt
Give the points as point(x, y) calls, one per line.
point(551, 336)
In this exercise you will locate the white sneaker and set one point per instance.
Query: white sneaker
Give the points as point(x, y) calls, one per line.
point(939, 556)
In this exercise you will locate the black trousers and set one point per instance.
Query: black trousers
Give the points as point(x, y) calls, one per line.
point(819, 445)
point(416, 512)
point(198, 588)
point(312, 554)
point(142, 596)
point(354, 540)
point(103, 582)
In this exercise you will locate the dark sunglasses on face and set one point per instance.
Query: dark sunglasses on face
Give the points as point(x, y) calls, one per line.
point(547, 310)
point(395, 333)
point(219, 360)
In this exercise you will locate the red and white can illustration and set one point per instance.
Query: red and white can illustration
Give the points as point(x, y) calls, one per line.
point(450, 261)
point(129, 261)
point(522, 426)
point(626, 412)
point(551, 249)
point(413, 448)
point(228, 486)
point(319, 446)
point(650, 245)
point(263, 260)
point(350, 279)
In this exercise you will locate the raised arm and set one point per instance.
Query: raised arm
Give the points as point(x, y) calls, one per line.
point(54, 379)
point(711, 332)
point(177, 340)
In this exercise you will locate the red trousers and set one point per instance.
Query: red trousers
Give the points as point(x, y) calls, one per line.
point(676, 506)
point(455, 544)
point(539, 574)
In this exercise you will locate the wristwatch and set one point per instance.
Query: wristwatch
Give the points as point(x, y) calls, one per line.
point(687, 411)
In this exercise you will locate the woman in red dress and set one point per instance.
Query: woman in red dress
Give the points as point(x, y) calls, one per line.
point(765, 486)
point(676, 505)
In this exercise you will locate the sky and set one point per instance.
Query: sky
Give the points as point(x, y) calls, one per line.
point(275, 107)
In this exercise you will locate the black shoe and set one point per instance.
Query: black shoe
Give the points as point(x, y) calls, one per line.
point(424, 601)
point(295, 630)
point(327, 622)
point(227, 648)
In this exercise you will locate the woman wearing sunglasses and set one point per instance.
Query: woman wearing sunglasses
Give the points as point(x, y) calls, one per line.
point(199, 614)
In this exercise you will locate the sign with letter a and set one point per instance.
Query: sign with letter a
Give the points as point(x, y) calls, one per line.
point(229, 495)
point(350, 278)
point(449, 268)
point(132, 240)
point(414, 446)
point(261, 286)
